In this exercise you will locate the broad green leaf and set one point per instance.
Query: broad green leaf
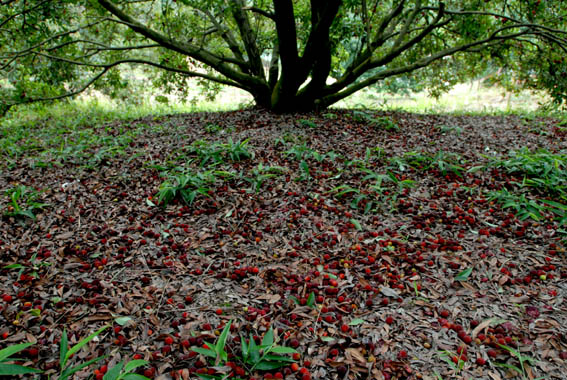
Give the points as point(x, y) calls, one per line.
point(268, 366)
point(134, 376)
point(268, 339)
point(63, 348)
point(122, 320)
point(114, 372)
point(133, 364)
point(276, 358)
point(254, 351)
point(244, 347)
point(71, 370)
point(356, 224)
point(283, 350)
point(11, 350)
point(356, 321)
point(327, 339)
point(14, 266)
point(204, 351)
point(83, 342)
point(219, 348)
point(14, 369)
point(464, 275)
point(311, 299)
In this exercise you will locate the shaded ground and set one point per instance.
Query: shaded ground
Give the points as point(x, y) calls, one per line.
point(380, 238)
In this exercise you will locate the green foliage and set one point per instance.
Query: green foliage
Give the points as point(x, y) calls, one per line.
point(540, 175)
point(217, 351)
point(522, 359)
point(262, 173)
point(216, 153)
point(65, 353)
point(310, 302)
point(267, 355)
point(32, 267)
point(10, 369)
point(444, 162)
point(51, 50)
point(263, 357)
point(186, 186)
point(540, 170)
point(23, 202)
point(382, 123)
point(125, 372)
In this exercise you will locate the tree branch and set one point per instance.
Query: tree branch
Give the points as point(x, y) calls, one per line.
point(23, 12)
point(190, 50)
point(248, 38)
point(334, 97)
point(262, 12)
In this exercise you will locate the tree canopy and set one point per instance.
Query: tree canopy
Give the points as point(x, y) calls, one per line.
point(289, 54)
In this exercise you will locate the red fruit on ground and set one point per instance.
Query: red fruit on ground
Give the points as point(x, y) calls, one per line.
point(344, 328)
point(444, 313)
point(7, 298)
point(219, 311)
point(480, 361)
point(294, 367)
point(389, 320)
point(492, 353)
point(294, 343)
point(168, 340)
point(402, 354)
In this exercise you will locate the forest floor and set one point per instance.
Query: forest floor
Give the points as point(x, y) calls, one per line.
point(375, 245)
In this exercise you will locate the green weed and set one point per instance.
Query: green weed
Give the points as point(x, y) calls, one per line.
point(10, 369)
point(186, 187)
point(23, 202)
point(262, 173)
point(523, 359)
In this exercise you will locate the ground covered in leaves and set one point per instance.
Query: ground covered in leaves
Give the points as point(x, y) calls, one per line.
point(376, 245)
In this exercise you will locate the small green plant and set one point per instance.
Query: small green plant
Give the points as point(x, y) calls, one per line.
point(310, 302)
point(299, 152)
point(217, 351)
point(23, 202)
point(342, 190)
point(237, 150)
point(540, 170)
point(448, 356)
point(123, 371)
point(212, 128)
point(9, 369)
point(32, 267)
point(525, 208)
point(65, 353)
point(307, 123)
point(384, 123)
point(445, 129)
point(266, 356)
point(186, 186)
point(206, 152)
point(262, 173)
point(445, 162)
point(305, 172)
point(523, 359)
